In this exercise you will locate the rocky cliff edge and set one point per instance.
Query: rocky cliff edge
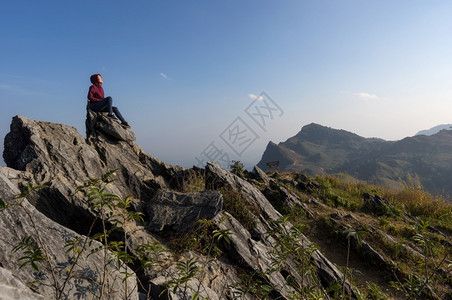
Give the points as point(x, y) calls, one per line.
point(231, 253)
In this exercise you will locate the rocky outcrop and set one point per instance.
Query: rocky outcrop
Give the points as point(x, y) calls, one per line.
point(179, 211)
point(254, 248)
point(18, 222)
point(284, 200)
point(58, 156)
point(99, 124)
point(304, 183)
point(377, 205)
point(261, 175)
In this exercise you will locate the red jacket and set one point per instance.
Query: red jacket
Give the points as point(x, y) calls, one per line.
point(96, 92)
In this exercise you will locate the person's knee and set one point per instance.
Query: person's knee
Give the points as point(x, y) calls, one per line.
point(110, 100)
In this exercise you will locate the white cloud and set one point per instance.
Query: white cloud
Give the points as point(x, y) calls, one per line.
point(366, 96)
point(164, 75)
point(254, 97)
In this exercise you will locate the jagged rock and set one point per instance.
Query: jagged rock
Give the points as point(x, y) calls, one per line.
point(179, 211)
point(217, 280)
point(217, 177)
point(255, 253)
point(261, 174)
point(215, 275)
point(12, 288)
point(86, 281)
point(98, 123)
point(58, 156)
point(304, 183)
point(286, 197)
point(377, 204)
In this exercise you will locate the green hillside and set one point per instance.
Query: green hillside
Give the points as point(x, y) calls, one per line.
point(390, 242)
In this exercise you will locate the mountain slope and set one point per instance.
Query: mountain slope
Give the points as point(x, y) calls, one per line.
point(435, 129)
point(422, 159)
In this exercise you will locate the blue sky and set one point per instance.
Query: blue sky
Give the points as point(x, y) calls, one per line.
point(181, 72)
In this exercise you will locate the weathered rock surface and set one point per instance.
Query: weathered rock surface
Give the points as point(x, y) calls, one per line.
point(261, 174)
point(85, 283)
point(254, 249)
point(285, 199)
point(99, 124)
point(58, 156)
point(179, 211)
point(12, 288)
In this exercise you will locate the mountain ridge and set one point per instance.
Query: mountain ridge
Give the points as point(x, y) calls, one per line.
point(318, 150)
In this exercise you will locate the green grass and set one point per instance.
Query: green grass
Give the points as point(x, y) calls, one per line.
point(240, 209)
point(344, 197)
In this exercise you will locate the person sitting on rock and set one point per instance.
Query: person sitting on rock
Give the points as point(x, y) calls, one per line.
point(98, 103)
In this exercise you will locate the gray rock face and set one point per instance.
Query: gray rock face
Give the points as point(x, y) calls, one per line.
point(99, 124)
point(261, 174)
point(179, 211)
point(86, 283)
point(218, 177)
point(255, 252)
point(58, 156)
point(286, 198)
point(12, 288)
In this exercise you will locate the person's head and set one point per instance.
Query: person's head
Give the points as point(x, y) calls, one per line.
point(96, 79)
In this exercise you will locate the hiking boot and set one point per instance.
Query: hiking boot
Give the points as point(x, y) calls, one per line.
point(111, 116)
point(125, 124)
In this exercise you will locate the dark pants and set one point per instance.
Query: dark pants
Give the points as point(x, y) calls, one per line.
point(105, 105)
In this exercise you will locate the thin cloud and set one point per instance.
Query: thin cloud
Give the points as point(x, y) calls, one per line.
point(254, 97)
point(164, 75)
point(366, 96)
point(5, 87)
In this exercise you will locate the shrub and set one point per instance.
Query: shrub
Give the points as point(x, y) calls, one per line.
point(237, 168)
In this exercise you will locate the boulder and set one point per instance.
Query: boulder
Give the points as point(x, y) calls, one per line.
point(261, 175)
point(377, 205)
point(179, 211)
point(97, 123)
point(86, 282)
point(305, 183)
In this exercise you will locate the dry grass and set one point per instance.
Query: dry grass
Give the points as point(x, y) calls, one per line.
point(419, 203)
point(193, 181)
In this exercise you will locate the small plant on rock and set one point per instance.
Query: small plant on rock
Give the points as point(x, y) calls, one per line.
point(237, 168)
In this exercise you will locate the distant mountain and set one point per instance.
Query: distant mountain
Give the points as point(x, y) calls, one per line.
point(316, 149)
point(435, 129)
